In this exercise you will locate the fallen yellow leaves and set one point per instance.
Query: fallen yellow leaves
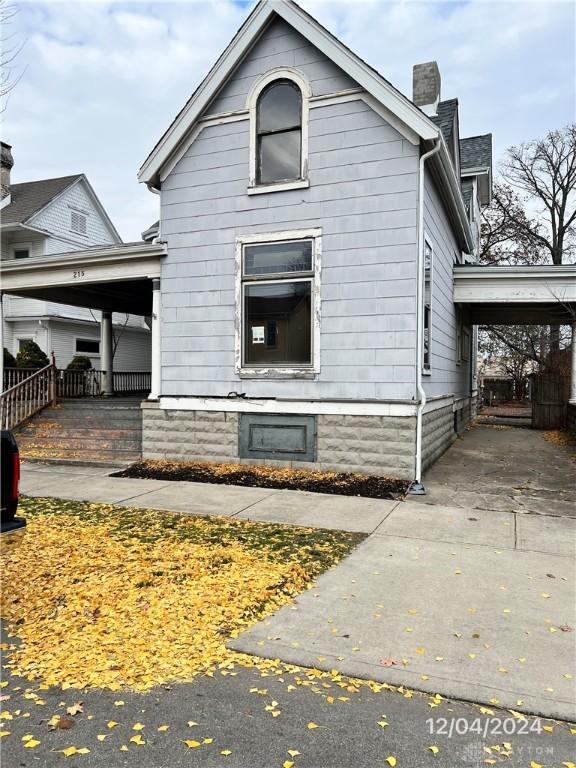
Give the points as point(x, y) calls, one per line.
point(151, 602)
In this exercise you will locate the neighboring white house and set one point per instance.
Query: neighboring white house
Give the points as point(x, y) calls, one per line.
point(48, 217)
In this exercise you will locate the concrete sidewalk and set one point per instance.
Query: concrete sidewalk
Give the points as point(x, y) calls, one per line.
point(468, 603)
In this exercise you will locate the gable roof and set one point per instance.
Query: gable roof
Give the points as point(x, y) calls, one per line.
point(476, 152)
point(317, 35)
point(30, 197)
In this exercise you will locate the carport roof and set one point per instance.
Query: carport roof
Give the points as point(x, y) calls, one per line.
point(114, 278)
point(517, 295)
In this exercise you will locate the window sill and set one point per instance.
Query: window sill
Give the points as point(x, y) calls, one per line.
point(281, 187)
point(277, 373)
point(426, 372)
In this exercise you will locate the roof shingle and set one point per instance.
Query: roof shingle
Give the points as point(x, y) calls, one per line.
point(31, 196)
point(476, 152)
point(444, 118)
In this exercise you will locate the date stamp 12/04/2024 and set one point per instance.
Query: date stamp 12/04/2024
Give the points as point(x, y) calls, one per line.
point(483, 727)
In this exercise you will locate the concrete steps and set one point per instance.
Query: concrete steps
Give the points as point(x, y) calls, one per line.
point(84, 430)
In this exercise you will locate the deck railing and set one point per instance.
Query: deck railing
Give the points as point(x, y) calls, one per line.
point(28, 396)
point(132, 382)
point(91, 383)
point(27, 391)
point(14, 376)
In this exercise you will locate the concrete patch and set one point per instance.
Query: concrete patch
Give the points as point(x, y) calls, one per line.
point(461, 620)
point(440, 523)
point(344, 513)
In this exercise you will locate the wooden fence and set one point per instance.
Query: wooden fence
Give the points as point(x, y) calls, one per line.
point(550, 395)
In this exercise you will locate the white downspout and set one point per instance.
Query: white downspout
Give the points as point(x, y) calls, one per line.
point(417, 488)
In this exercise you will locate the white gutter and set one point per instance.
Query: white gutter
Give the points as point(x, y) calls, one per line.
point(417, 487)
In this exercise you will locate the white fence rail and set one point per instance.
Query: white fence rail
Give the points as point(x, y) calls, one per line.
point(28, 396)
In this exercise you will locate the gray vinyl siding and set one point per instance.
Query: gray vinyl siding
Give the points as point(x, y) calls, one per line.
point(447, 376)
point(280, 46)
point(365, 203)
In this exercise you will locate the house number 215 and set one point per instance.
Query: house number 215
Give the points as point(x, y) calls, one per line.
point(78, 273)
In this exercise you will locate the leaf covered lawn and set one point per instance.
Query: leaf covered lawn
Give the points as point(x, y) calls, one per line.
point(114, 597)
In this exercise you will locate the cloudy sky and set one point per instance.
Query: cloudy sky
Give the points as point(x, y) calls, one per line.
point(101, 81)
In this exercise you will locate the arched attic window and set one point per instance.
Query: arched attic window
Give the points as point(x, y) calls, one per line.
point(279, 133)
point(278, 105)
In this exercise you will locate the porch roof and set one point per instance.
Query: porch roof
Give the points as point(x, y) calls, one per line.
point(112, 278)
point(517, 295)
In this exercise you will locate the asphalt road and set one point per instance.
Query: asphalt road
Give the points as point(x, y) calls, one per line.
point(235, 711)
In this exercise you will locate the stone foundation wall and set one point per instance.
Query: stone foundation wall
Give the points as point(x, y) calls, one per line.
point(189, 435)
point(378, 445)
point(441, 427)
point(437, 434)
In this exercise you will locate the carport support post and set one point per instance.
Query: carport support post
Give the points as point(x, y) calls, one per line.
point(106, 353)
point(156, 375)
point(573, 367)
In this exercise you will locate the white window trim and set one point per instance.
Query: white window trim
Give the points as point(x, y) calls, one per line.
point(427, 369)
point(21, 247)
point(304, 371)
point(280, 73)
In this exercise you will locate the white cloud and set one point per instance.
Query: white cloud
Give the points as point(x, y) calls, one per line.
point(103, 80)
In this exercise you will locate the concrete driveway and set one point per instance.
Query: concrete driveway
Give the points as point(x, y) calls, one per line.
point(468, 591)
point(504, 468)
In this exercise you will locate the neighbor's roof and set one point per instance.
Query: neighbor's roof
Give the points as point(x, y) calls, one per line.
point(476, 152)
point(444, 118)
point(151, 232)
point(30, 197)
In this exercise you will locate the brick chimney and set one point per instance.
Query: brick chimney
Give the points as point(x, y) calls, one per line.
point(426, 86)
point(6, 163)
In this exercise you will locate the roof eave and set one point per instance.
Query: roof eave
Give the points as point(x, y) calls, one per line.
point(454, 192)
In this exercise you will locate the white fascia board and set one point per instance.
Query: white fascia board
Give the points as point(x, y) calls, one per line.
point(358, 70)
point(100, 208)
point(543, 284)
point(392, 100)
point(455, 192)
point(308, 407)
point(206, 91)
point(90, 257)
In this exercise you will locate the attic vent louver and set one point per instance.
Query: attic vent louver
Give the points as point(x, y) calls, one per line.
point(78, 222)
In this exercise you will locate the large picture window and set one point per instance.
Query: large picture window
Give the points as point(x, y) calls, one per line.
point(279, 317)
point(279, 133)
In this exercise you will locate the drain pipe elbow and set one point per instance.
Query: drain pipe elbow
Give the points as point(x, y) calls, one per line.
point(417, 487)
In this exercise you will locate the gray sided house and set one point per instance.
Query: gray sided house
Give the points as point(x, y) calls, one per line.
point(313, 216)
point(42, 219)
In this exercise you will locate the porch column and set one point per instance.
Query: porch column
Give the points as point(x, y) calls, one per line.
point(1, 343)
point(106, 353)
point(156, 377)
point(573, 367)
